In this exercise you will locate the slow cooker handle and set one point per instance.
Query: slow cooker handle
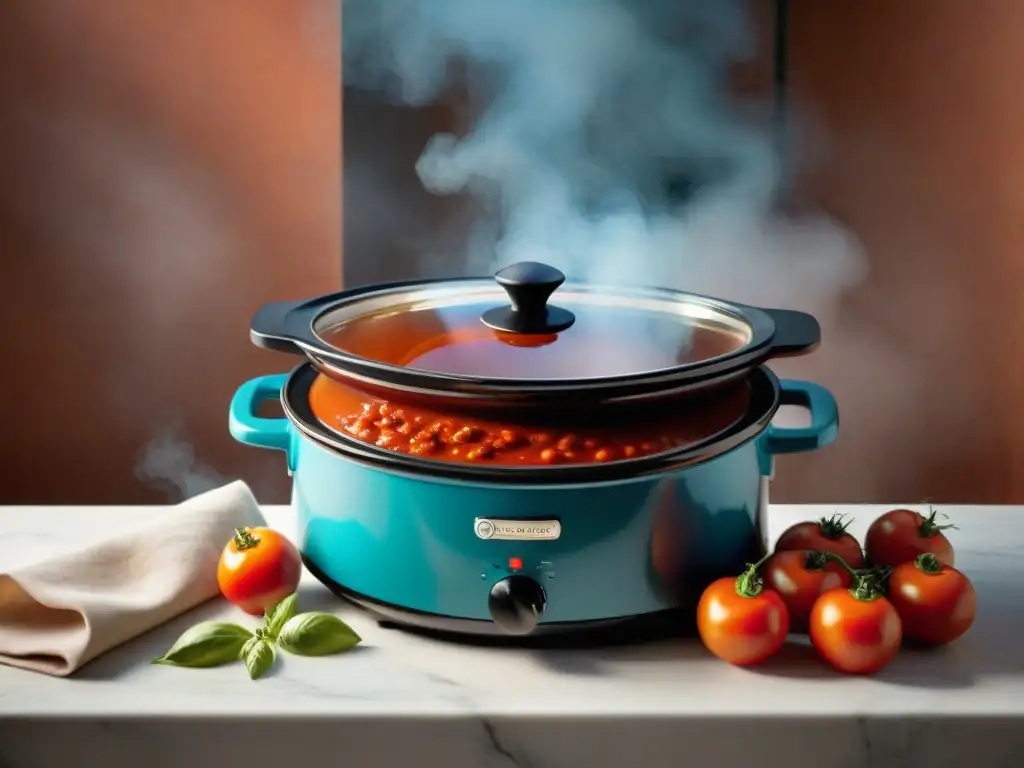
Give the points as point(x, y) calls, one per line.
point(529, 285)
point(287, 326)
point(269, 327)
point(820, 432)
point(249, 428)
point(796, 333)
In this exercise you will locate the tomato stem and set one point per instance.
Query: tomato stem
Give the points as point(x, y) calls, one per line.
point(928, 563)
point(833, 527)
point(245, 539)
point(930, 528)
point(880, 574)
point(749, 583)
point(865, 586)
point(815, 561)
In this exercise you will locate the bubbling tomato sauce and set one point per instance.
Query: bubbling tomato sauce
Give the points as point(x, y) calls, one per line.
point(602, 435)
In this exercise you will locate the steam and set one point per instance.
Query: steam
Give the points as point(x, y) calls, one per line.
point(585, 110)
point(168, 463)
point(602, 138)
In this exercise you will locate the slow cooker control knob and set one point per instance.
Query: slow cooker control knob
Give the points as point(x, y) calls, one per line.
point(516, 603)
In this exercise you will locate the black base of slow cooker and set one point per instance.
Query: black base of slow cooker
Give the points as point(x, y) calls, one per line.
point(623, 630)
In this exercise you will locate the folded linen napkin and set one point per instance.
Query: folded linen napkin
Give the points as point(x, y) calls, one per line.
point(61, 612)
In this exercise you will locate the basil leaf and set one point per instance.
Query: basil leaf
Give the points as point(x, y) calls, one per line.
point(317, 634)
point(209, 644)
point(258, 656)
point(278, 615)
point(248, 646)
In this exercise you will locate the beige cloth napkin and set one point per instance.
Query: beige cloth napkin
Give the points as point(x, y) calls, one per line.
point(64, 611)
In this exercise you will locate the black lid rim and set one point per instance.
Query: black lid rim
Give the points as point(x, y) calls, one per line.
point(342, 365)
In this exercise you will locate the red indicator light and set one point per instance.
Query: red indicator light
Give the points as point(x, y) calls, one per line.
point(515, 564)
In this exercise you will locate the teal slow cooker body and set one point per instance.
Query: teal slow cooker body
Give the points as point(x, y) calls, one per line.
point(413, 545)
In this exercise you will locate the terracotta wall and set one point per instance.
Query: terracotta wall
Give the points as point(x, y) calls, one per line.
point(920, 123)
point(166, 166)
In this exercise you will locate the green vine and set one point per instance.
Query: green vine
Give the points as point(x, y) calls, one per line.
point(866, 585)
point(749, 583)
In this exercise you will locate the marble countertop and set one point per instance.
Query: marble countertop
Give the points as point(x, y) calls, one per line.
point(405, 697)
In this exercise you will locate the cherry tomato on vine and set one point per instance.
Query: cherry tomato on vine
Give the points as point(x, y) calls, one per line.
point(258, 569)
point(856, 630)
point(900, 535)
point(825, 535)
point(740, 621)
point(936, 602)
point(800, 578)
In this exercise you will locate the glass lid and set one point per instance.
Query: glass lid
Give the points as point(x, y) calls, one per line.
point(475, 329)
point(504, 341)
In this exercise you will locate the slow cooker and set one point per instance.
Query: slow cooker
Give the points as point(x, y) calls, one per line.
point(521, 456)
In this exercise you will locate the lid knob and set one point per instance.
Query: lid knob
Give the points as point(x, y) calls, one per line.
point(529, 285)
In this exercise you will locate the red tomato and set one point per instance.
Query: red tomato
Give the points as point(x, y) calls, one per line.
point(826, 535)
point(936, 602)
point(800, 578)
point(900, 535)
point(855, 630)
point(258, 569)
point(740, 621)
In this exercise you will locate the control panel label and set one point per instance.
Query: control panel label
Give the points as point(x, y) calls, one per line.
point(517, 530)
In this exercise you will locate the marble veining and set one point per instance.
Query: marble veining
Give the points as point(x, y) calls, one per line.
point(402, 697)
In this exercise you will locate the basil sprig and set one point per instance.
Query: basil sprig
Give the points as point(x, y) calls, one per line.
point(215, 643)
